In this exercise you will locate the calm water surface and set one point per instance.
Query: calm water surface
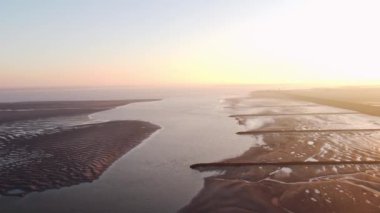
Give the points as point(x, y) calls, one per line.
point(155, 176)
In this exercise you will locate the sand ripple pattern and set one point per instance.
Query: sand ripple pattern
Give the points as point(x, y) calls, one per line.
point(11, 133)
point(301, 188)
point(46, 145)
point(68, 157)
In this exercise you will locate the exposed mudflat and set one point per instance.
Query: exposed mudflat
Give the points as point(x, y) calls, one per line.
point(58, 150)
point(69, 157)
point(284, 130)
point(21, 111)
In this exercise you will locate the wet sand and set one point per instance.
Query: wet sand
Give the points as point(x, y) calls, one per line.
point(19, 111)
point(311, 183)
point(361, 100)
point(66, 156)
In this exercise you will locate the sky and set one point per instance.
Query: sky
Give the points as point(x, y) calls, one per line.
point(68, 43)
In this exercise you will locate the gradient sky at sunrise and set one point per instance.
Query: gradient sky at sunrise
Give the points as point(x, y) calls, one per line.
point(156, 42)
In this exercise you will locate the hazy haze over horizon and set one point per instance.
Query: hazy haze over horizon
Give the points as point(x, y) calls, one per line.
point(170, 43)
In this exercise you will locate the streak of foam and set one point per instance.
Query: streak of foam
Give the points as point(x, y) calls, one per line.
point(311, 159)
point(282, 172)
point(207, 174)
point(256, 123)
point(258, 141)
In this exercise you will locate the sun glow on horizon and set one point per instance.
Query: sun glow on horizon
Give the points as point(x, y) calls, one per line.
point(295, 45)
point(313, 42)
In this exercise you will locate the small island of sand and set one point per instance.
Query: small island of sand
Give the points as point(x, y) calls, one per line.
point(58, 157)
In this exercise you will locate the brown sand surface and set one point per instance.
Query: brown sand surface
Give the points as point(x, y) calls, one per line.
point(36, 157)
point(296, 188)
point(361, 95)
point(365, 100)
point(19, 111)
point(69, 157)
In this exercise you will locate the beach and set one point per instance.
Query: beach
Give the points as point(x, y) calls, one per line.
point(220, 152)
point(308, 157)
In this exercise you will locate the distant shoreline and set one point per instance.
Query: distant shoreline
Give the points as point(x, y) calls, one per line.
point(18, 111)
